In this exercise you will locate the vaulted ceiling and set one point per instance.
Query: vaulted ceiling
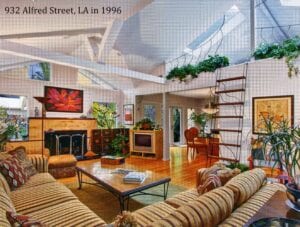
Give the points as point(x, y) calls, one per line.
point(140, 42)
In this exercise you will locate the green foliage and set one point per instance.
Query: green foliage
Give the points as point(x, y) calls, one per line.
point(290, 49)
point(208, 65)
point(238, 165)
point(118, 144)
point(46, 70)
point(105, 115)
point(281, 145)
point(200, 118)
point(139, 124)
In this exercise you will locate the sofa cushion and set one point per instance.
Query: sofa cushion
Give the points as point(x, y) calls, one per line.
point(38, 179)
point(183, 198)
point(5, 205)
point(208, 210)
point(39, 162)
point(246, 184)
point(13, 172)
point(4, 184)
point(152, 212)
point(22, 220)
point(20, 154)
point(28, 200)
point(69, 213)
point(242, 214)
point(212, 182)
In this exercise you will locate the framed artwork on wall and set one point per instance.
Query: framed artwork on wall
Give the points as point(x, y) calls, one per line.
point(63, 100)
point(277, 108)
point(128, 114)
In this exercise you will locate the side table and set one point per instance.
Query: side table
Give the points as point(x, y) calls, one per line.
point(275, 207)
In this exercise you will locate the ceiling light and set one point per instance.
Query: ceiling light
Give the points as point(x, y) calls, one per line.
point(290, 2)
point(210, 109)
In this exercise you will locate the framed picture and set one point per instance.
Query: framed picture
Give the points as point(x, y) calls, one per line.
point(39, 71)
point(276, 107)
point(63, 100)
point(128, 113)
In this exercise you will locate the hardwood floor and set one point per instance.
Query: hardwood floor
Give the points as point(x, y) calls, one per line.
point(181, 167)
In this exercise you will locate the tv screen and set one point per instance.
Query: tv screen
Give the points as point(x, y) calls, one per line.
point(63, 100)
point(142, 140)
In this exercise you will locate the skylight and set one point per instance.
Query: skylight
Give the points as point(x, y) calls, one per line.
point(290, 2)
point(231, 19)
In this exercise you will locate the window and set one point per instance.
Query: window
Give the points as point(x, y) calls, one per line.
point(150, 111)
point(191, 123)
point(16, 114)
point(39, 71)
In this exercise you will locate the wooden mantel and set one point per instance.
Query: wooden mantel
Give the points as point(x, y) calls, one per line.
point(35, 125)
point(35, 138)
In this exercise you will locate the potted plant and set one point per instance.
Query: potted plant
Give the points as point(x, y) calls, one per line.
point(145, 124)
point(119, 145)
point(281, 145)
point(200, 119)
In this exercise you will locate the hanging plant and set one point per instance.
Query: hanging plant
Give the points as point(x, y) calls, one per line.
point(290, 49)
point(208, 65)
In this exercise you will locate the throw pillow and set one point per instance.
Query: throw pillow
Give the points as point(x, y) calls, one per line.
point(22, 220)
point(20, 154)
point(13, 172)
point(211, 182)
point(126, 219)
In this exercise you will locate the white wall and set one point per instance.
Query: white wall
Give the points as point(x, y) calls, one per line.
point(264, 78)
point(15, 82)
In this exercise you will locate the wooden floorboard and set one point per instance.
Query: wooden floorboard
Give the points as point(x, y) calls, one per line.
point(181, 167)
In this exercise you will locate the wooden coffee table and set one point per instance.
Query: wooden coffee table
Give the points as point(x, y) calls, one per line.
point(113, 182)
point(275, 207)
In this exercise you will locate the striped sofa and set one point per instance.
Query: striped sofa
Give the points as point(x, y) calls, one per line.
point(46, 200)
point(231, 205)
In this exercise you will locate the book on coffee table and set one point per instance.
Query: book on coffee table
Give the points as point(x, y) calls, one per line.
point(134, 177)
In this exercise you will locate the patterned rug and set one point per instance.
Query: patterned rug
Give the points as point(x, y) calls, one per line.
point(106, 206)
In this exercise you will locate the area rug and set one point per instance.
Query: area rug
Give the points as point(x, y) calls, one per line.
point(106, 206)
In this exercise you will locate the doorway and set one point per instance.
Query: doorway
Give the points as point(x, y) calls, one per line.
point(176, 126)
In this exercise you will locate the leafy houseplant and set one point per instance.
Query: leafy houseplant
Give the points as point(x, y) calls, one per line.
point(105, 115)
point(208, 65)
point(200, 119)
point(119, 145)
point(290, 49)
point(281, 144)
point(144, 124)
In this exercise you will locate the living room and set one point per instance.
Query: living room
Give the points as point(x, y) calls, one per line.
point(132, 114)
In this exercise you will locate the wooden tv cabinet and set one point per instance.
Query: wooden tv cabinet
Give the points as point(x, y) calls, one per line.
point(156, 149)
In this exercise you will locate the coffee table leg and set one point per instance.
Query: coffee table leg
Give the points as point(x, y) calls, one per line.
point(166, 188)
point(122, 203)
point(79, 175)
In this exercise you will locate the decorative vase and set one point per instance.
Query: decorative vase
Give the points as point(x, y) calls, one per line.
point(293, 195)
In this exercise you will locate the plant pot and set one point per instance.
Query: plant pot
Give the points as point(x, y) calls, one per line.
point(146, 126)
point(293, 194)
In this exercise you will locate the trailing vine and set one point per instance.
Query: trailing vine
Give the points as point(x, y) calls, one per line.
point(290, 49)
point(208, 65)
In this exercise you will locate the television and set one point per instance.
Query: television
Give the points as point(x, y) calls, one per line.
point(143, 142)
point(63, 100)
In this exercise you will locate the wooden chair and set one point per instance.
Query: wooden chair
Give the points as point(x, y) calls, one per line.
point(190, 135)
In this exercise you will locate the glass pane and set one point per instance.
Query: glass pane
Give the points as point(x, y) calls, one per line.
point(39, 71)
point(15, 115)
point(150, 112)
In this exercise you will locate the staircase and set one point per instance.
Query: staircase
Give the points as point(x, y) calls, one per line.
point(228, 123)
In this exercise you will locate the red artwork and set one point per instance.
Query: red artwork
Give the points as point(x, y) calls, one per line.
point(63, 100)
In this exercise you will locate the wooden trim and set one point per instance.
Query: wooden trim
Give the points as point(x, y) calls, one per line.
point(60, 118)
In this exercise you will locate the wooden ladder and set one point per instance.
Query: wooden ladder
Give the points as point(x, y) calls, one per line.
point(228, 123)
